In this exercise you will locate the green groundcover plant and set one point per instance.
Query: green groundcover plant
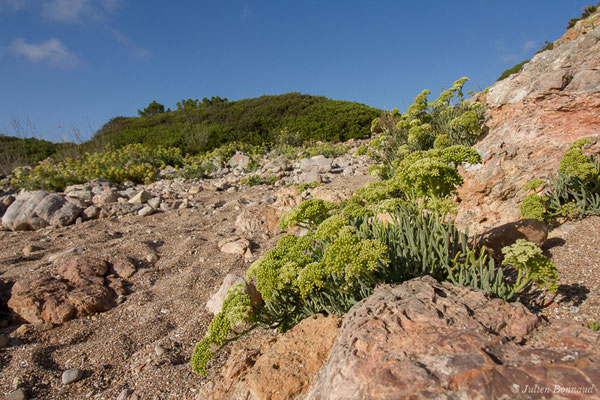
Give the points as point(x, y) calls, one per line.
point(349, 249)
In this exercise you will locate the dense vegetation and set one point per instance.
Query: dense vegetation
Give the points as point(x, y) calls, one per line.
point(199, 126)
point(17, 151)
point(388, 232)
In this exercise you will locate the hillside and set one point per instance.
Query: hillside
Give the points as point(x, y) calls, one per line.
point(291, 118)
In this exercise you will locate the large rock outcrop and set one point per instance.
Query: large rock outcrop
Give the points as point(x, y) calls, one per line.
point(425, 339)
point(532, 117)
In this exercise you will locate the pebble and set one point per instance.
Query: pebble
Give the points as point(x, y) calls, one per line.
point(3, 341)
point(125, 393)
point(159, 350)
point(152, 258)
point(16, 395)
point(72, 375)
point(27, 250)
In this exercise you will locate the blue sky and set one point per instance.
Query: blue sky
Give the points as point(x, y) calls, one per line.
point(71, 65)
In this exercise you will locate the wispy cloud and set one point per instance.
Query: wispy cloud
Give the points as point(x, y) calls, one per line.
point(14, 5)
point(125, 42)
point(52, 51)
point(529, 45)
point(506, 54)
point(246, 13)
point(79, 11)
point(66, 10)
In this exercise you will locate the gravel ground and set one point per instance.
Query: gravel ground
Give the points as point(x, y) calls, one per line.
point(575, 249)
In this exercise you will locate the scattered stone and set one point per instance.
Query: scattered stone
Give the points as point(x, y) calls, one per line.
point(146, 211)
point(310, 176)
point(38, 209)
point(501, 236)
point(159, 350)
point(72, 251)
point(140, 198)
point(125, 393)
point(154, 202)
point(92, 212)
point(28, 250)
point(80, 291)
point(277, 165)
point(215, 303)
point(319, 163)
point(239, 160)
point(152, 258)
point(234, 246)
point(72, 375)
point(18, 394)
point(124, 268)
point(3, 341)
point(195, 189)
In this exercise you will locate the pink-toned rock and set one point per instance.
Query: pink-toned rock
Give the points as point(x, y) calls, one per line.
point(429, 340)
point(532, 117)
point(285, 368)
point(104, 197)
point(81, 292)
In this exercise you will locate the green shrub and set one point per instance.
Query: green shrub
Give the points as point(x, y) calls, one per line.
point(586, 12)
point(573, 193)
point(580, 143)
point(308, 214)
point(593, 325)
point(448, 118)
point(254, 180)
point(533, 184)
point(534, 207)
point(532, 266)
point(306, 186)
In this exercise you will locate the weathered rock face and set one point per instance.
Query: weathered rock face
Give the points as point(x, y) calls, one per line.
point(83, 290)
point(532, 118)
point(38, 209)
point(287, 366)
point(425, 339)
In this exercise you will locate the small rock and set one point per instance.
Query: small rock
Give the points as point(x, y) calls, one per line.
point(154, 202)
point(195, 190)
point(125, 393)
point(159, 350)
point(72, 375)
point(141, 197)
point(27, 250)
point(16, 395)
point(146, 211)
point(124, 268)
point(3, 341)
point(152, 258)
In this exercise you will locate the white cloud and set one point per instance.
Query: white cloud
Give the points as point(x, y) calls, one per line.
point(125, 42)
point(78, 11)
point(246, 13)
point(529, 45)
point(52, 51)
point(66, 10)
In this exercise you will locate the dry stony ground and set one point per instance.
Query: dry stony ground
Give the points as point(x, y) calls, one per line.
point(165, 307)
point(117, 348)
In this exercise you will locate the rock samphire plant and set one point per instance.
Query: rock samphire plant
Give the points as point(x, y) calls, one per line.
point(388, 232)
point(573, 193)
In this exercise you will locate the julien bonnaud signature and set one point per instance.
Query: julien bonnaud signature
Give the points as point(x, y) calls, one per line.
point(552, 389)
